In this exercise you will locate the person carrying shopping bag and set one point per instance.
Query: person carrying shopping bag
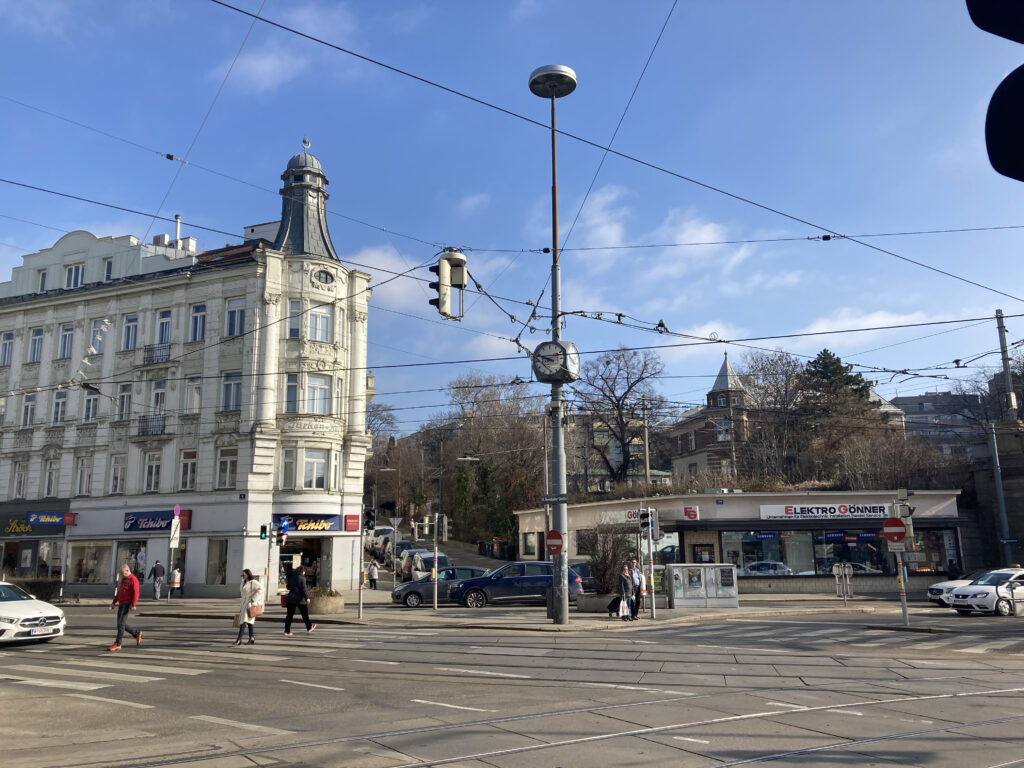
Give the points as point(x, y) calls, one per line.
point(625, 593)
point(250, 607)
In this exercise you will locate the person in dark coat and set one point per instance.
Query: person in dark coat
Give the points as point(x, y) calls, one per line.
point(156, 573)
point(626, 592)
point(297, 597)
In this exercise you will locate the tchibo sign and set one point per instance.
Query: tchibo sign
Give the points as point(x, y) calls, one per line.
point(822, 511)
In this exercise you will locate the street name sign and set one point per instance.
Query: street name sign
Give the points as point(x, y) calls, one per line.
point(554, 498)
point(894, 530)
point(553, 542)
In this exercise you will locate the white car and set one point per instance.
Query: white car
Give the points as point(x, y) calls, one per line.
point(991, 593)
point(941, 593)
point(766, 568)
point(22, 617)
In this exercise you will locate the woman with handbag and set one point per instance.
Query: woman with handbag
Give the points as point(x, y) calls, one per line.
point(250, 606)
point(625, 594)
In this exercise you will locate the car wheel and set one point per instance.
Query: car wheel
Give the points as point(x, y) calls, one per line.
point(1003, 607)
point(962, 612)
point(475, 599)
point(413, 600)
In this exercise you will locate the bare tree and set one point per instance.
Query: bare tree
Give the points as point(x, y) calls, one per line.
point(613, 390)
point(775, 387)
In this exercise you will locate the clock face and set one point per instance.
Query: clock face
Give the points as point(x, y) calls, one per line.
point(323, 276)
point(548, 359)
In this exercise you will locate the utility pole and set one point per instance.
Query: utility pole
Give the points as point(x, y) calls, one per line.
point(647, 447)
point(1009, 401)
point(997, 476)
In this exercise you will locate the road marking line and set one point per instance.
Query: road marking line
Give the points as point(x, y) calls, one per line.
point(635, 688)
point(784, 704)
point(450, 706)
point(374, 661)
point(106, 674)
point(73, 685)
point(686, 738)
point(171, 652)
point(311, 685)
point(749, 650)
point(139, 667)
point(110, 701)
point(845, 712)
point(263, 729)
point(480, 672)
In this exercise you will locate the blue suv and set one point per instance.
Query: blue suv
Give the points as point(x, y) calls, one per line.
point(519, 582)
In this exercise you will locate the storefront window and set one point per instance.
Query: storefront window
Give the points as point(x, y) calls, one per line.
point(529, 544)
point(133, 553)
point(931, 553)
point(217, 561)
point(864, 549)
point(90, 562)
point(769, 553)
point(49, 560)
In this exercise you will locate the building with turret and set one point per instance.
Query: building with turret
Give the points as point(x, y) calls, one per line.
point(141, 379)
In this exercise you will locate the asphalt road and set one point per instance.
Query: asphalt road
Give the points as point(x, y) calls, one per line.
point(798, 691)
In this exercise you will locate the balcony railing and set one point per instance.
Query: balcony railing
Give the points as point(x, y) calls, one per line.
point(156, 353)
point(151, 425)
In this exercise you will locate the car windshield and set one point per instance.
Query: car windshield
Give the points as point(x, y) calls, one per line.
point(993, 579)
point(10, 593)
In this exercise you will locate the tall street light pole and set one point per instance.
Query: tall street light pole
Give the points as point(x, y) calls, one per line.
point(556, 362)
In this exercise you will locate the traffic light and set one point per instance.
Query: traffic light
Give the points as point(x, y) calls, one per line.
point(443, 286)
point(263, 532)
point(369, 519)
point(655, 525)
point(1004, 122)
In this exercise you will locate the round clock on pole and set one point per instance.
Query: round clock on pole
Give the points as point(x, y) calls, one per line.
point(556, 362)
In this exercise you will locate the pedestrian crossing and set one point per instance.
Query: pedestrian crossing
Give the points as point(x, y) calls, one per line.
point(780, 634)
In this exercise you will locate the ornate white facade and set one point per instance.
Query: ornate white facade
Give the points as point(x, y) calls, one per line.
point(232, 383)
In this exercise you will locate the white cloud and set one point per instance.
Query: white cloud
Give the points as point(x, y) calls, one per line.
point(265, 68)
point(846, 318)
point(49, 18)
point(756, 282)
point(525, 10)
point(472, 204)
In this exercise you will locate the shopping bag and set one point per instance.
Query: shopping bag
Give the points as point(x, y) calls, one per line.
point(235, 621)
point(624, 608)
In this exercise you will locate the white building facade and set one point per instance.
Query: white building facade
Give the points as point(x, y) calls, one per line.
point(230, 383)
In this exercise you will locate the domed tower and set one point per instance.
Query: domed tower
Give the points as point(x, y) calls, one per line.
point(303, 230)
point(728, 389)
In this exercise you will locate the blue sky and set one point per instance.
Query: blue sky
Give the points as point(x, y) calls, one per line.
point(859, 119)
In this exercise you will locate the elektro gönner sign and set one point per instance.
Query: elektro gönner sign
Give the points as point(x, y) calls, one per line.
point(822, 511)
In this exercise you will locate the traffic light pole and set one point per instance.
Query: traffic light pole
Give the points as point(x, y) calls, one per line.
point(266, 576)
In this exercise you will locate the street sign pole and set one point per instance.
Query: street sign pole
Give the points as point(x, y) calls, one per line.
point(433, 571)
point(650, 559)
point(901, 581)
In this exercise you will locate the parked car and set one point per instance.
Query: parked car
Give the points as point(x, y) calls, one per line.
point(766, 568)
point(404, 566)
point(991, 593)
point(941, 593)
point(423, 563)
point(586, 573)
point(379, 534)
point(395, 551)
point(522, 581)
point(415, 593)
point(22, 617)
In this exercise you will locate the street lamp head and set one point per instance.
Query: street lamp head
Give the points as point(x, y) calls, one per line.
point(552, 81)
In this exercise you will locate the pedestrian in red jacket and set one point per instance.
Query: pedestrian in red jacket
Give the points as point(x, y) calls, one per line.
point(126, 599)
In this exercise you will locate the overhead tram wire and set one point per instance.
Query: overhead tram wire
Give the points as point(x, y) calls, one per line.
point(623, 155)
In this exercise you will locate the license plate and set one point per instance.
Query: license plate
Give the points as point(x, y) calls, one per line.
point(961, 602)
point(43, 631)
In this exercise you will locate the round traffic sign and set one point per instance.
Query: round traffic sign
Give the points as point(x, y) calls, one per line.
point(894, 529)
point(553, 542)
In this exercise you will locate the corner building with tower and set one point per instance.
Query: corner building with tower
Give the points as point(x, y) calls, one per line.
point(232, 383)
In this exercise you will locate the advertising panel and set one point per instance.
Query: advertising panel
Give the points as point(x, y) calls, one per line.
point(310, 523)
point(825, 512)
point(159, 520)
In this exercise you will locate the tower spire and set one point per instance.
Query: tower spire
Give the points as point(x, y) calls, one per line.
point(303, 230)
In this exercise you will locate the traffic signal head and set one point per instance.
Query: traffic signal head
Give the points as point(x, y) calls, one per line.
point(282, 536)
point(369, 520)
point(443, 286)
point(263, 531)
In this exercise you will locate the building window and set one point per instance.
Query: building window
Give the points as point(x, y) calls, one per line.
point(193, 394)
point(315, 469)
point(188, 471)
point(6, 348)
point(108, 270)
point(722, 431)
point(320, 323)
point(90, 407)
point(151, 472)
point(291, 394)
point(73, 276)
point(721, 401)
point(163, 327)
point(83, 474)
point(50, 474)
point(42, 280)
point(288, 468)
point(197, 325)
point(60, 407)
point(98, 337)
point(20, 481)
point(692, 469)
point(131, 332)
point(216, 561)
point(28, 410)
point(3, 409)
point(691, 441)
point(294, 318)
point(227, 467)
point(67, 341)
point(231, 392)
point(235, 325)
point(318, 394)
point(35, 345)
point(118, 465)
point(124, 402)
point(158, 397)
point(90, 561)
point(736, 399)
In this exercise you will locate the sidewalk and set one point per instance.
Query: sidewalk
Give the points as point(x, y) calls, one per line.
point(379, 612)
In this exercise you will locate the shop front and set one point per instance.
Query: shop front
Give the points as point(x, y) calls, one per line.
point(310, 543)
point(32, 540)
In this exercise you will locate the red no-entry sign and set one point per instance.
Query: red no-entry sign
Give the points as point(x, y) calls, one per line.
point(894, 529)
point(554, 542)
